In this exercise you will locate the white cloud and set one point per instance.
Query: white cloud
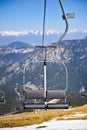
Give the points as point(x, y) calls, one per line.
point(13, 33)
point(35, 32)
point(73, 30)
point(18, 33)
point(38, 32)
point(85, 31)
point(77, 31)
point(52, 32)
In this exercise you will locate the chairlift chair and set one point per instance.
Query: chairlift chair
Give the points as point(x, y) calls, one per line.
point(2, 97)
point(46, 94)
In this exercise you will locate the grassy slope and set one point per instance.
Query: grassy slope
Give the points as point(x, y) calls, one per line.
point(29, 118)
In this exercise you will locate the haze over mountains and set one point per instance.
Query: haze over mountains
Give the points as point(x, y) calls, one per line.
point(35, 37)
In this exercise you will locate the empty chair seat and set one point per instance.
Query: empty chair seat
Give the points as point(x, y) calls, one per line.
point(57, 106)
point(45, 106)
point(34, 105)
point(56, 94)
point(34, 94)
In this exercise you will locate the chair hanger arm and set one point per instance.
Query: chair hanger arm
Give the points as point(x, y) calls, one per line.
point(66, 21)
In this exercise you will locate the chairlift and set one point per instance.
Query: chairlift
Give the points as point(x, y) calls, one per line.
point(45, 95)
point(32, 97)
point(2, 97)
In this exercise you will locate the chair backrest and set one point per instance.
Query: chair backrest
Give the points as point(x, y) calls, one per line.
point(34, 94)
point(56, 94)
point(50, 94)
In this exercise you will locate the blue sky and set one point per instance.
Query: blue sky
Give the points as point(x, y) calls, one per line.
point(25, 15)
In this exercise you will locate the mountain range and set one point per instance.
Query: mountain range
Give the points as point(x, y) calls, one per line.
point(17, 55)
